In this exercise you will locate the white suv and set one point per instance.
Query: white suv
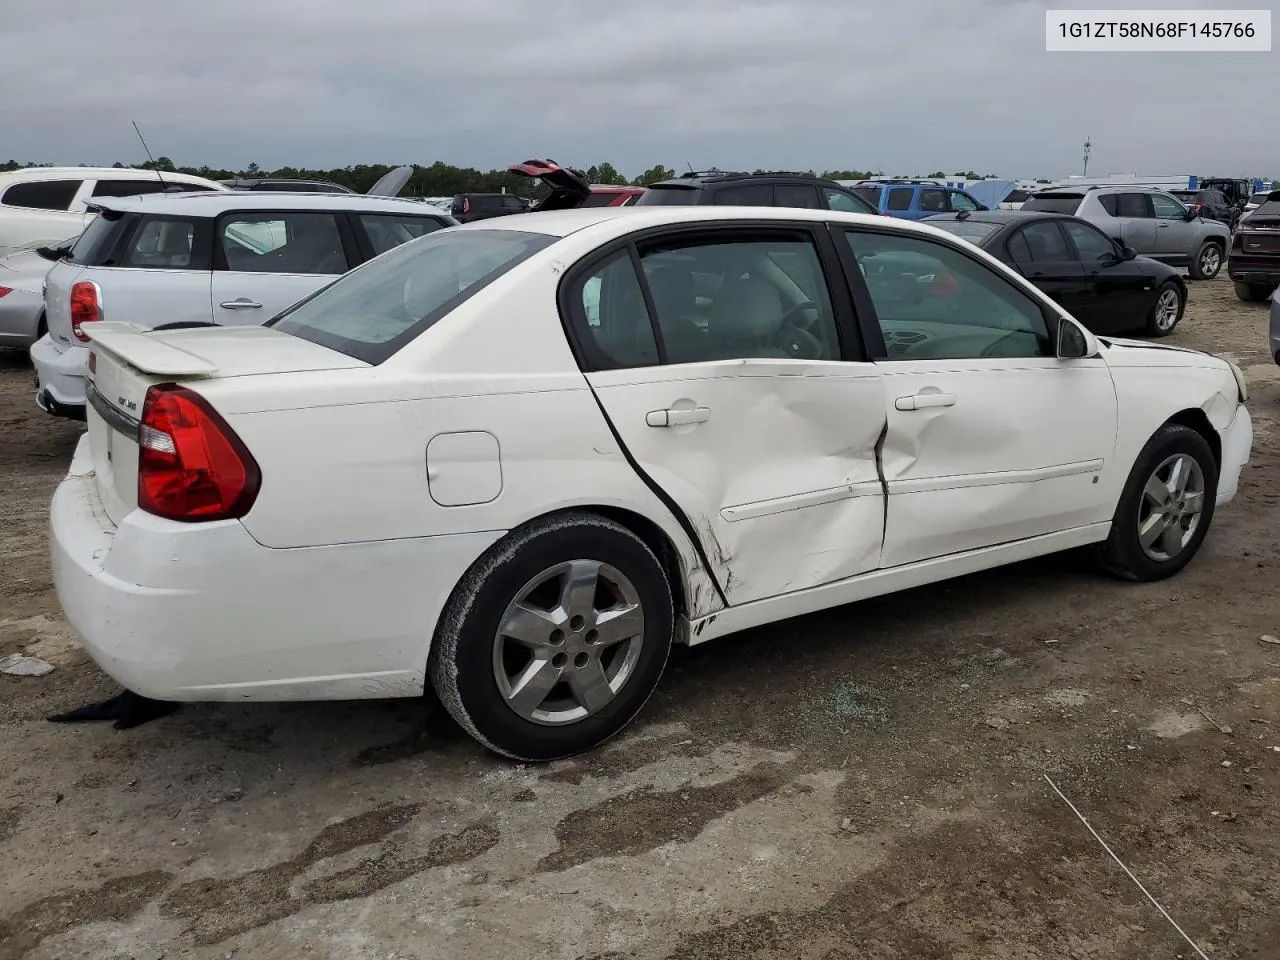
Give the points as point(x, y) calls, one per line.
point(45, 205)
point(225, 259)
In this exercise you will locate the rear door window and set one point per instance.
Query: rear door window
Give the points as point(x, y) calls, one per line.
point(1045, 243)
point(387, 231)
point(796, 195)
point(750, 195)
point(165, 243)
point(900, 198)
point(287, 242)
point(1134, 205)
point(933, 201)
point(372, 312)
point(42, 194)
point(134, 188)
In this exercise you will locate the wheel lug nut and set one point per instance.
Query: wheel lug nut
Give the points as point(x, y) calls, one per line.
point(580, 660)
point(592, 636)
point(576, 624)
point(557, 637)
point(559, 660)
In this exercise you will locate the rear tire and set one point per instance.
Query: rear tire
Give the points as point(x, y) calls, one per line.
point(1253, 292)
point(1166, 311)
point(1207, 262)
point(1166, 507)
point(555, 638)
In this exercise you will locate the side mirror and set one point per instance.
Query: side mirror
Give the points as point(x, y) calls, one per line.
point(1189, 215)
point(1072, 343)
point(1127, 253)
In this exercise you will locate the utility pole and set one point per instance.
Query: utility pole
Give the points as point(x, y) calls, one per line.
point(1087, 147)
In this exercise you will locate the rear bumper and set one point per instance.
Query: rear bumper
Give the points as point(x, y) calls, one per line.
point(203, 611)
point(1237, 448)
point(60, 376)
point(1254, 269)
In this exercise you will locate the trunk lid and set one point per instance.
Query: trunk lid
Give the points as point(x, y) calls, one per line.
point(569, 188)
point(125, 360)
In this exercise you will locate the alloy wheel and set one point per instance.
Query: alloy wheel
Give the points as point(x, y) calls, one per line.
point(568, 643)
point(1210, 261)
point(1167, 309)
point(1171, 506)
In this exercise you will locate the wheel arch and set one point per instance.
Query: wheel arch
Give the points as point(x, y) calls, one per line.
point(1197, 420)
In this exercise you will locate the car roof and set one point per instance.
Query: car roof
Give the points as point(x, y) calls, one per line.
point(94, 173)
point(697, 179)
point(561, 223)
point(211, 204)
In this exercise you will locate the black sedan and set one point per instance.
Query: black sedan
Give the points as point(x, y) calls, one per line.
point(1108, 288)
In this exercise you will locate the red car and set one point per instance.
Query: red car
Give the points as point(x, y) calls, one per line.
point(570, 189)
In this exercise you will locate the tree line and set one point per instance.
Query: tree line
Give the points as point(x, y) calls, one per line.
point(442, 179)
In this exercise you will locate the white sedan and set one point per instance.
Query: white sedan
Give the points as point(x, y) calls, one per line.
point(520, 458)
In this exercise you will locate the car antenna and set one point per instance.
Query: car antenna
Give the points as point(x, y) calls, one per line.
point(148, 149)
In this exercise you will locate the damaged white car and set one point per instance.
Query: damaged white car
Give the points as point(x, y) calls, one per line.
point(520, 458)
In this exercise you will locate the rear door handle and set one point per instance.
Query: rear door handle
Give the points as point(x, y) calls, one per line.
point(675, 417)
point(922, 400)
point(240, 303)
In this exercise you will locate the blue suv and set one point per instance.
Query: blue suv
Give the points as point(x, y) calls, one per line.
point(915, 199)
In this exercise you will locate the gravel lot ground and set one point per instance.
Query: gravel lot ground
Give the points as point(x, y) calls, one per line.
point(862, 783)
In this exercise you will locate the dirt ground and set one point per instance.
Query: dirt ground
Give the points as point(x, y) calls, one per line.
point(863, 783)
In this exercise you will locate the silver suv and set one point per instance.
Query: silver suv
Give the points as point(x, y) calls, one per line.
point(1149, 220)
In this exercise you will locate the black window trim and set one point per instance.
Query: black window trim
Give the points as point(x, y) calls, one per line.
point(201, 243)
point(361, 236)
point(573, 318)
point(868, 318)
point(350, 247)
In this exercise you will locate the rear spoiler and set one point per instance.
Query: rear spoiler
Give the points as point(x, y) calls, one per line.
point(137, 346)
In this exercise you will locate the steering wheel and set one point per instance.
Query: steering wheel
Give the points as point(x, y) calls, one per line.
point(797, 343)
point(795, 316)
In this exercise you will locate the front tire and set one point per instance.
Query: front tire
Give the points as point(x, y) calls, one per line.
point(555, 638)
point(1165, 509)
point(1207, 262)
point(1166, 311)
point(1253, 292)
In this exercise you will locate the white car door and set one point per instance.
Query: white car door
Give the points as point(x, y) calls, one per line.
point(990, 438)
point(743, 410)
point(266, 261)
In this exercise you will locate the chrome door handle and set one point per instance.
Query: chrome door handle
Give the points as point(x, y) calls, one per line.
point(922, 400)
point(240, 303)
point(676, 417)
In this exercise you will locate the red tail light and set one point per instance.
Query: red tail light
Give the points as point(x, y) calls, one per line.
point(5, 291)
point(86, 306)
point(466, 204)
point(191, 465)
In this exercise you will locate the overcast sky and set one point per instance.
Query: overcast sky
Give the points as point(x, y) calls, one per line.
point(907, 86)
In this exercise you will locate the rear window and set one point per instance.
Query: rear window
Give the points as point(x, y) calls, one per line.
point(1268, 208)
point(668, 196)
point(1054, 202)
point(599, 200)
point(96, 241)
point(869, 194)
point(972, 230)
point(373, 311)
